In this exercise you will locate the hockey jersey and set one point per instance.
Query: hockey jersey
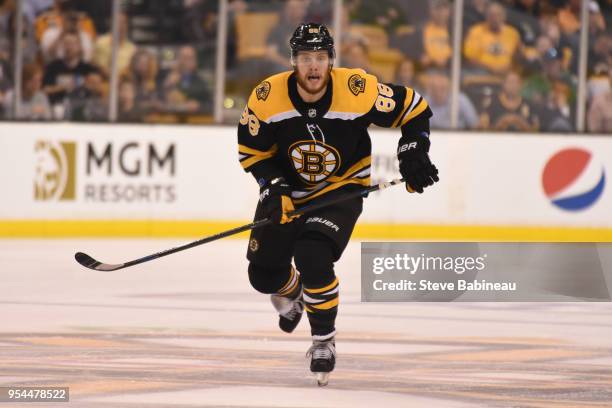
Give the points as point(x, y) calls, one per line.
point(322, 146)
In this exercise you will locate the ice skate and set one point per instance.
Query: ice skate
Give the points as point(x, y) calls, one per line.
point(289, 311)
point(322, 360)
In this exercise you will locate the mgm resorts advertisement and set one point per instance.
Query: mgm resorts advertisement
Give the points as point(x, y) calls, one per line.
point(486, 272)
point(111, 171)
point(103, 172)
point(66, 171)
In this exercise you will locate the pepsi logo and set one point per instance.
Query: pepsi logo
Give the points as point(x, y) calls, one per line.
point(573, 180)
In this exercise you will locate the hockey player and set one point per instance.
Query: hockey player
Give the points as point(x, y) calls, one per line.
point(303, 136)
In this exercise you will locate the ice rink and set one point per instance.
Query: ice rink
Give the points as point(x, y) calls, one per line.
point(188, 331)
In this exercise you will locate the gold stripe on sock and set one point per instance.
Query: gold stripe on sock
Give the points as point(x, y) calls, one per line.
point(327, 305)
point(291, 275)
point(289, 290)
point(323, 289)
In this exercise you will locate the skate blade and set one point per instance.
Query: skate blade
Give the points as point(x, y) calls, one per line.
point(322, 379)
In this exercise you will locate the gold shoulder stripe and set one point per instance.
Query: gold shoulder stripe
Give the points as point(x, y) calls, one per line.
point(271, 97)
point(354, 93)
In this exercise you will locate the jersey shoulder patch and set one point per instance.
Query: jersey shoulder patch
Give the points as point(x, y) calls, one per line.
point(271, 97)
point(263, 90)
point(356, 84)
point(355, 92)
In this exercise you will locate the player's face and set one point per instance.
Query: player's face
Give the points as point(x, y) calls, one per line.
point(312, 70)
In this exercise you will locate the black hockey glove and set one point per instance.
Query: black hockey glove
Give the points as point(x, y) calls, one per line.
point(414, 164)
point(275, 199)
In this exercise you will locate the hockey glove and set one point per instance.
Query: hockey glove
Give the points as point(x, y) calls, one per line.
point(275, 199)
point(414, 164)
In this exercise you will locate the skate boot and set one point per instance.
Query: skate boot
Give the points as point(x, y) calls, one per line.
point(322, 359)
point(289, 311)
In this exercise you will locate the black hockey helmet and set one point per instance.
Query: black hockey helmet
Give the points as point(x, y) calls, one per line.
point(312, 37)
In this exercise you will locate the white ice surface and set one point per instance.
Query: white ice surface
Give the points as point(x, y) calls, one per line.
point(206, 290)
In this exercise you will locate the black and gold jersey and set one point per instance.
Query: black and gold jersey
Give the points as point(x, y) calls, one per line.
point(322, 146)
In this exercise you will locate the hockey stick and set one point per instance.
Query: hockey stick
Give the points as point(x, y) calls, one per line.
point(89, 262)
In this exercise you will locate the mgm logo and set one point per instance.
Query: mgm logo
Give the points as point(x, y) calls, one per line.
point(314, 161)
point(54, 177)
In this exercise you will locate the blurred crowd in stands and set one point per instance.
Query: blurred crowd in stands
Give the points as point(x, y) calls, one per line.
point(519, 65)
point(66, 61)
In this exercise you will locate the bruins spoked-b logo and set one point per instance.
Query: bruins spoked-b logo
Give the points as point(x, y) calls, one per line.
point(54, 176)
point(314, 161)
point(356, 84)
point(263, 90)
point(253, 245)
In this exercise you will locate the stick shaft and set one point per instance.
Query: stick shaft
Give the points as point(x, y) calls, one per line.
point(344, 197)
point(266, 221)
point(257, 224)
point(202, 241)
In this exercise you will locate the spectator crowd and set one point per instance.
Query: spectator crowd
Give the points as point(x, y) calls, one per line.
point(519, 58)
point(519, 65)
point(66, 66)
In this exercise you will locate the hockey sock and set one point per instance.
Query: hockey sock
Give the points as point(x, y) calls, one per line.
point(270, 280)
point(292, 288)
point(321, 305)
point(314, 258)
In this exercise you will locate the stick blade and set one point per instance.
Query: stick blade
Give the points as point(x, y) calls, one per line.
point(88, 262)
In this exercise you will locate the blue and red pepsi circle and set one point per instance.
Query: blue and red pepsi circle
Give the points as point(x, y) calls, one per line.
point(573, 180)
